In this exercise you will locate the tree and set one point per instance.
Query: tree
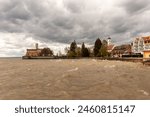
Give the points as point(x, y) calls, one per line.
point(84, 51)
point(72, 52)
point(46, 52)
point(78, 52)
point(105, 43)
point(103, 51)
point(73, 46)
point(97, 47)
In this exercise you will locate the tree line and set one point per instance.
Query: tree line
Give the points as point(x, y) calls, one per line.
point(99, 50)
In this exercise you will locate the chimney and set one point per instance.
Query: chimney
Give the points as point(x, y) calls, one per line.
point(36, 46)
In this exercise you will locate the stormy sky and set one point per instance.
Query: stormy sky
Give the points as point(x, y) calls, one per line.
point(56, 23)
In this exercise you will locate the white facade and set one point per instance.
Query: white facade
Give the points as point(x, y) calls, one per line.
point(109, 41)
point(138, 45)
point(141, 44)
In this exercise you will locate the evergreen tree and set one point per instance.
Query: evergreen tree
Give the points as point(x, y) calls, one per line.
point(73, 46)
point(84, 51)
point(97, 47)
point(72, 51)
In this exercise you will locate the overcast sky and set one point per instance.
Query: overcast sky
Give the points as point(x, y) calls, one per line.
point(56, 23)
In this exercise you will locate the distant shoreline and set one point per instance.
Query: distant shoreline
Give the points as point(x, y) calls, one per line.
point(127, 59)
point(9, 57)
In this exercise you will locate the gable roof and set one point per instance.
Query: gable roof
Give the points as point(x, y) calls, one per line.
point(146, 38)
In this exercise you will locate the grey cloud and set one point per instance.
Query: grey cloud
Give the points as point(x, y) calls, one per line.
point(15, 10)
point(135, 6)
point(67, 20)
point(74, 6)
point(119, 25)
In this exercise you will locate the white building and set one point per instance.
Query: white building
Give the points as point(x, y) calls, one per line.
point(138, 45)
point(141, 44)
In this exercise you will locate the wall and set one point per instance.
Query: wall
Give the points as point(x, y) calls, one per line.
point(146, 54)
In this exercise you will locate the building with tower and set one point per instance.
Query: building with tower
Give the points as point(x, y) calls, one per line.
point(34, 52)
point(110, 46)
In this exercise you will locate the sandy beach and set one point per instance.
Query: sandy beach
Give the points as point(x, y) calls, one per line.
point(73, 79)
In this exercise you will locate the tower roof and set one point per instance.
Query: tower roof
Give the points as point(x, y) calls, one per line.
point(109, 38)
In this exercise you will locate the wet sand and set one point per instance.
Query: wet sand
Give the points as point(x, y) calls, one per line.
point(73, 79)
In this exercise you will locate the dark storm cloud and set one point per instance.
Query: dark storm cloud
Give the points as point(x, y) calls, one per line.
point(134, 6)
point(82, 20)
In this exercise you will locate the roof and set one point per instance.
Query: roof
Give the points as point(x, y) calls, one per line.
point(129, 50)
point(110, 47)
point(146, 38)
point(146, 50)
point(123, 47)
point(33, 49)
